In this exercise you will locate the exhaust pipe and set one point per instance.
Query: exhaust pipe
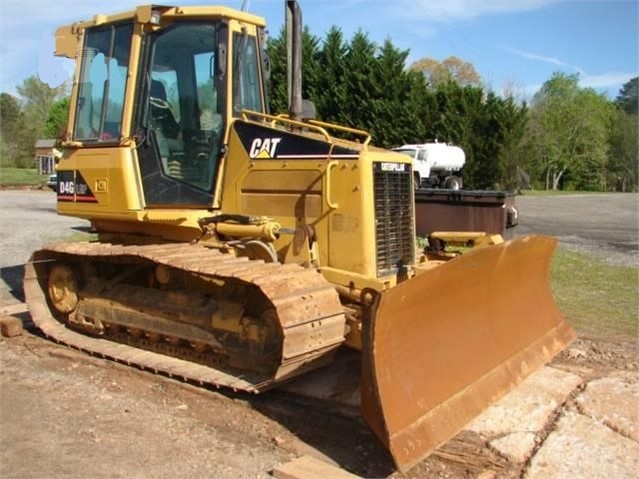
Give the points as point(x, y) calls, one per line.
point(293, 15)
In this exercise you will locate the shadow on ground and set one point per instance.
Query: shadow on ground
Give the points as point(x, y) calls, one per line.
point(13, 277)
point(345, 440)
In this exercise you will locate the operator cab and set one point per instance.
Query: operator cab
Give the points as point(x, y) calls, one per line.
point(195, 69)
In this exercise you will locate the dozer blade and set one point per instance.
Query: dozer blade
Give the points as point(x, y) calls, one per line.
point(443, 346)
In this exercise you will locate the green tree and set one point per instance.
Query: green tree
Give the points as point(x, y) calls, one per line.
point(487, 127)
point(359, 84)
point(57, 118)
point(624, 151)
point(331, 94)
point(367, 86)
point(513, 117)
point(451, 68)
point(11, 128)
point(628, 98)
point(569, 133)
point(36, 99)
point(278, 81)
point(311, 69)
point(393, 108)
point(592, 147)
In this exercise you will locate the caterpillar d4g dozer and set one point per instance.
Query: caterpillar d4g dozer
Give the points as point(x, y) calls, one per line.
point(242, 249)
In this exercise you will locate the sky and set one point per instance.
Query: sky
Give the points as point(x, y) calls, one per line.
point(515, 45)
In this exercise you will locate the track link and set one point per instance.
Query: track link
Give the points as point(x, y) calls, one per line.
point(307, 307)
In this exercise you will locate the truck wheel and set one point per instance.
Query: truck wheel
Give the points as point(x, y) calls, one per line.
point(416, 182)
point(453, 183)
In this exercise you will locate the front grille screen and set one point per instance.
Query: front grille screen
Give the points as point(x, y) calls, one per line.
point(394, 221)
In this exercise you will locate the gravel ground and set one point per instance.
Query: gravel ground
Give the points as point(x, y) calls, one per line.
point(29, 221)
point(606, 225)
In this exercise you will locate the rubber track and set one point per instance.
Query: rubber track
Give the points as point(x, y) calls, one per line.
point(291, 289)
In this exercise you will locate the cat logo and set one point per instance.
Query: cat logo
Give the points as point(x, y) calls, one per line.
point(264, 147)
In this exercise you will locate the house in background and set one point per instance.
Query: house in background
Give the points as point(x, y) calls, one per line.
point(44, 157)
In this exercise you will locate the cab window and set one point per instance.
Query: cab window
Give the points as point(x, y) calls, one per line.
point(247, 94)
point(102, 85)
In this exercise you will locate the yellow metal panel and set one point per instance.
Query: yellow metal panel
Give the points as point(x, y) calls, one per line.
point(215, 11)
point(351, 240)
point(130, 102)
point(303, 181)
point(142, 14)
point(323, 193)
point(281, 205)
point(66, 42)
point(74, 88)
point(110, 173)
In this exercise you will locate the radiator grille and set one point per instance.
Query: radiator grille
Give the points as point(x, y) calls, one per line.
point(394, 220)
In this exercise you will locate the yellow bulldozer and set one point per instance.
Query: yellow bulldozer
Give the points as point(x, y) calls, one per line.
point(242, 249)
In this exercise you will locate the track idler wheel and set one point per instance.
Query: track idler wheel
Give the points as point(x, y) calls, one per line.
point(63, 288)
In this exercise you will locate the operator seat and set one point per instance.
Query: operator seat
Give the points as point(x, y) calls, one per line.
point(161, 115)
point(167, 132)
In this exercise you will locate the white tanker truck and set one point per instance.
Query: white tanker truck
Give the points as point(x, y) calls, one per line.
point(435, 165)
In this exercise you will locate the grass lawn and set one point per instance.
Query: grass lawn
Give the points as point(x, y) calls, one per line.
point(21, 176)
point(596, 297)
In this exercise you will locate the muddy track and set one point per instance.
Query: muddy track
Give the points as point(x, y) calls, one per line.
point(307, 308)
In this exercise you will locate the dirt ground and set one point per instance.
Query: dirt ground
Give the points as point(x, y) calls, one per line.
point(66, 414)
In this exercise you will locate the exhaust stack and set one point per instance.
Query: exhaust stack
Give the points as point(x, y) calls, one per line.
point(293, 15)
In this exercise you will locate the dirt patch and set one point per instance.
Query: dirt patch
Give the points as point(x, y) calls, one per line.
point(601, 354)
point(84, 414)
point(88, 414)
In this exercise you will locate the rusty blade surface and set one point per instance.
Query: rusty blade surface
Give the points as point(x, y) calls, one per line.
point(443, 346)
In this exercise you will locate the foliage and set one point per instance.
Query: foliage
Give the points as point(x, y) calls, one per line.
point(624, 139)
point(624, 152)
point(11, 128)
point(568, 134)
point(278, 81)
point(449, 69)
point(331, 92)
point(56, 118)
point(628, 98)
point(367, 86)
point(358, 84)
point(487, 127)
point(24, 120)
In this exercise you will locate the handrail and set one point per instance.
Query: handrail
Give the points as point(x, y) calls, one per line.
point(319, 126)
point(331, 164)
point(343, 128)
point(284, 119)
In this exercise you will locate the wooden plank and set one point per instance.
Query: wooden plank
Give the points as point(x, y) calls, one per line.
point(308, 467)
